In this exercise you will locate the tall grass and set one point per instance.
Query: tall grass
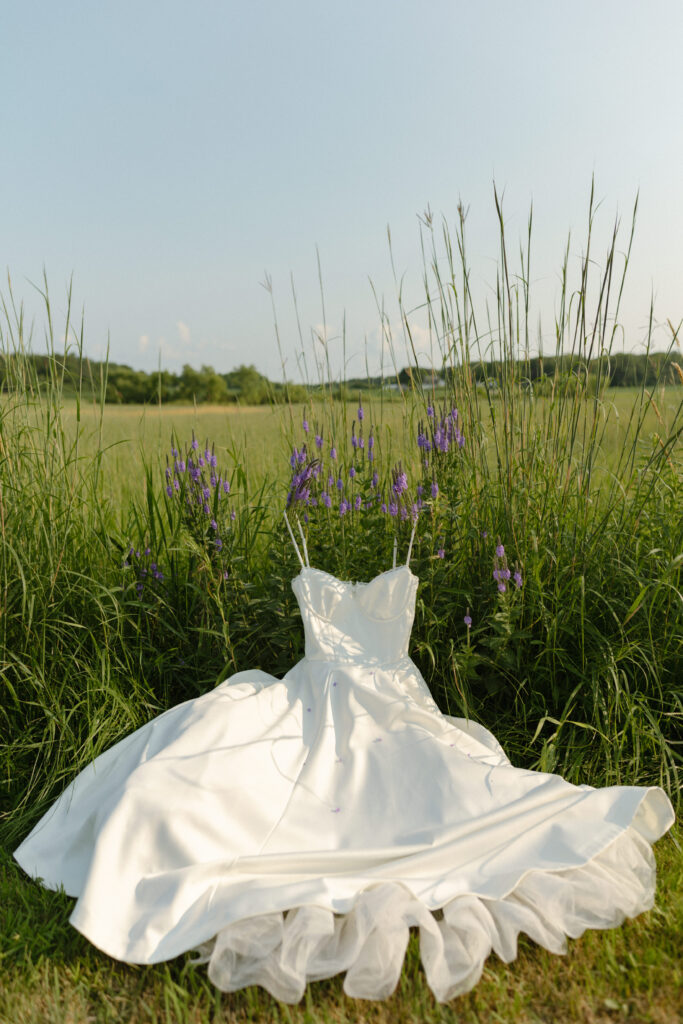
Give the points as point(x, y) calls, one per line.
point(577, 672)
point(590, 665)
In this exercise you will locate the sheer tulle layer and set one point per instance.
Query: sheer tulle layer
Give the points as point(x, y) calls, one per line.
point(282, 952)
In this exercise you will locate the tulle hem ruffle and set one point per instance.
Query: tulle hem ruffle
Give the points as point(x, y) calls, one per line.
point(282, 952)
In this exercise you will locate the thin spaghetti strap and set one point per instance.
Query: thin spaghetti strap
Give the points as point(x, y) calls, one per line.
point(410, 546)
point(303, 541)
point(395, 550)
point(296, 546)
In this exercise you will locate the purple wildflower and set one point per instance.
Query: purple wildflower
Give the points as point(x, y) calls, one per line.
point(500, 550)
point(214, 524)
point(361, 414)
point(518, 579)
point(430, 411)
point(400, 481)
point(233, 515)
point(213, 461)
point(333, 453)
point(226, 487)
point(219, 543)
point(468, 620)
point(383, 508)
point(181, 466)
point(393, 508)
point(435, 488)
point(326, 500)
point(441, 553)
point(352, 472)
point(169, 491)
point(502, 588)
point(195, 444)
point(340, 484)
point(318, 441)
point(305, 425)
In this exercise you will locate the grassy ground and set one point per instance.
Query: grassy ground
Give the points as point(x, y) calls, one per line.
point(577, 671)
point(50, 974)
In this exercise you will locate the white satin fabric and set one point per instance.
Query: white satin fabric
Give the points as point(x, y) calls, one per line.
point(292, 829)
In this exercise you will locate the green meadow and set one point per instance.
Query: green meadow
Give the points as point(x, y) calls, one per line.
point(133, 435)
point(577, 671)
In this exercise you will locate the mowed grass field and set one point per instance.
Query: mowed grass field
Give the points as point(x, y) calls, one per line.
point(257, 436)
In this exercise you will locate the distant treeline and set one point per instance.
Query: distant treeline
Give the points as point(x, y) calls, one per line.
point(123, 384)
point(245, 385)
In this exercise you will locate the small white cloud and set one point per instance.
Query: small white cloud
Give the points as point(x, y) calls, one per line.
point(324, 332)
point(183, 332)
point(171, 353)
point(143, 342)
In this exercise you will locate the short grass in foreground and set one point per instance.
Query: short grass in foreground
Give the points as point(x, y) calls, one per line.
point(50, 974)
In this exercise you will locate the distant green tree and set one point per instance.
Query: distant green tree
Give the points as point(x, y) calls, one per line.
point(203, 385)
point(248, 385)
point(129, 385)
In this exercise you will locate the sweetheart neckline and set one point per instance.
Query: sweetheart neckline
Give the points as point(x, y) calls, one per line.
point(356, 583)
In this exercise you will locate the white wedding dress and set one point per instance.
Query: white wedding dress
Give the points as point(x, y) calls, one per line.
point(292, 829)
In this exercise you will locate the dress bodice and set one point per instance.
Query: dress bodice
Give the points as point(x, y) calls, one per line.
point(346, 621)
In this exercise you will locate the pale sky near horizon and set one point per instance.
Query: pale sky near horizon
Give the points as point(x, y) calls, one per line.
point(168, 155)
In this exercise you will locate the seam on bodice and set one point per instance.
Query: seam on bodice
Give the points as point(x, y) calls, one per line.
point(361, 660)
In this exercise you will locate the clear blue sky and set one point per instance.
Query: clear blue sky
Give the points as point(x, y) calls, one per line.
point(168, 153)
